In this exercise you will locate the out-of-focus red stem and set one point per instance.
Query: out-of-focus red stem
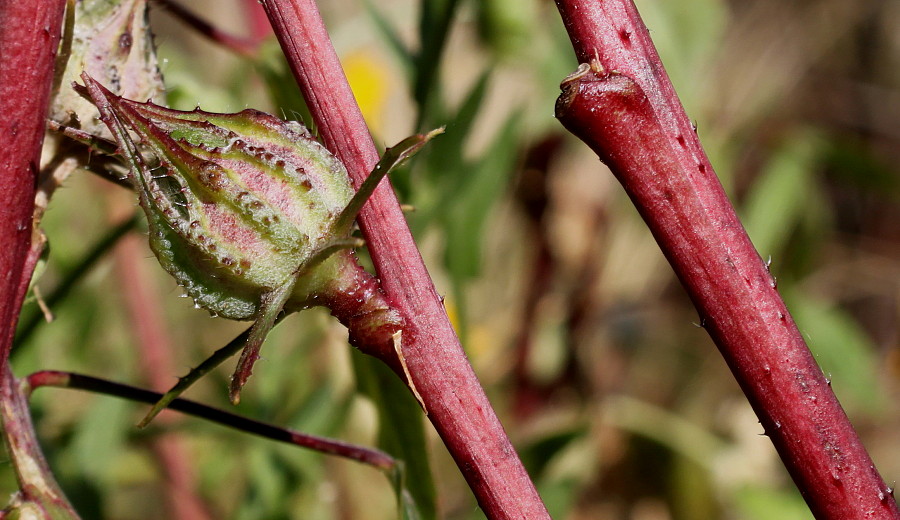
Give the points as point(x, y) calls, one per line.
point(625, 108)
point(155, 350)
point(237, 44)
point(36, 483)
point(450, 392)
point(257, 22)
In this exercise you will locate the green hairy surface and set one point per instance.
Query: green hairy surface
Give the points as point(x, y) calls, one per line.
point(237, 204)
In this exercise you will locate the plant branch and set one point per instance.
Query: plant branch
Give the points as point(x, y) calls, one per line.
point(369, 456)
point(440, 372)
point(37, 486)
point(29, 39)
point(622, 104)
point(155, 348)
point(239, 45)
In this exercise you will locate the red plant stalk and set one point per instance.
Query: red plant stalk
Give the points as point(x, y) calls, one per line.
point(450, 393)
point(155, 349)
point(29, 38)
point(625, 108)
point(38, 491)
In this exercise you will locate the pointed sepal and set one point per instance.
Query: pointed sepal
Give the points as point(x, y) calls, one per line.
point(271, 306)
point(393, 158)
point(236, 202)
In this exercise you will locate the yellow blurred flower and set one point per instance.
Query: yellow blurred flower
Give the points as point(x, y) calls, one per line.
point(368, 78)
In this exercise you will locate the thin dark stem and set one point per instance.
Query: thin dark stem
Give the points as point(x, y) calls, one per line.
point(440, 372)
point(103, 246)
point(236, 44)
point(217, 358)
point(625, 108)
point(369, 456)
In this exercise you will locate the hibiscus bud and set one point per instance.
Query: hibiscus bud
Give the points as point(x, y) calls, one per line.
point(112, 42)
point(252, 216)
point(237, 204)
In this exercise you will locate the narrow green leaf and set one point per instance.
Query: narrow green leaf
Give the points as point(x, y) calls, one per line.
point(446, 155)
point(465, 219)
point(764, 501)
point(100, 438)
point(444, 168)
point(401, 434)
point(776, 202)
point(395, 43)
point(434, 26)
point(270, 307)
point(392, 159)
point(282, 89)
point(843, 350)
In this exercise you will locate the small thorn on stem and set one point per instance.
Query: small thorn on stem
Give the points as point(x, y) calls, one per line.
point(398, 341)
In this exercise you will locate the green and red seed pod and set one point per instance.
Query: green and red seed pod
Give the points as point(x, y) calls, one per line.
point(249, 214)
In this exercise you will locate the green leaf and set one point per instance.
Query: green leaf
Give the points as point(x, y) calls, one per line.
point(395, 43)
point(401, 433)
point(779, 197)
point(437, 17)
point(282, 88)
point(843, 350)
point(443, 167)
point(761, 502)
point(446, 155)
point(465, 219)
point(99, 439)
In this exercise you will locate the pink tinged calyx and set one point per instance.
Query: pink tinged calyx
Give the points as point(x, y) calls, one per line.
point(238, 205)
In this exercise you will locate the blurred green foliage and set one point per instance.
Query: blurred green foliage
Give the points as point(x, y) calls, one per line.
point(619, 406)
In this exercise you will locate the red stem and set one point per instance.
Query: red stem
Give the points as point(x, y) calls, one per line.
point(237, 44)
point(450, 392)
point(36, 484)
point(155, 349)
point(634, 121)
point(256, 20)
point(29, 38)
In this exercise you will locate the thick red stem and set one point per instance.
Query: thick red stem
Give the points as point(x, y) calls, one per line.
point(29, 37)
point(625, 108)
point(450, 392)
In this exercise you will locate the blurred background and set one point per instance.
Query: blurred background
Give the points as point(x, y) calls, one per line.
point(618, 403)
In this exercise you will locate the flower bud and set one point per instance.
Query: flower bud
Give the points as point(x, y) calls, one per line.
point(238, 204)
point(113, 43)
point(252, 216)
